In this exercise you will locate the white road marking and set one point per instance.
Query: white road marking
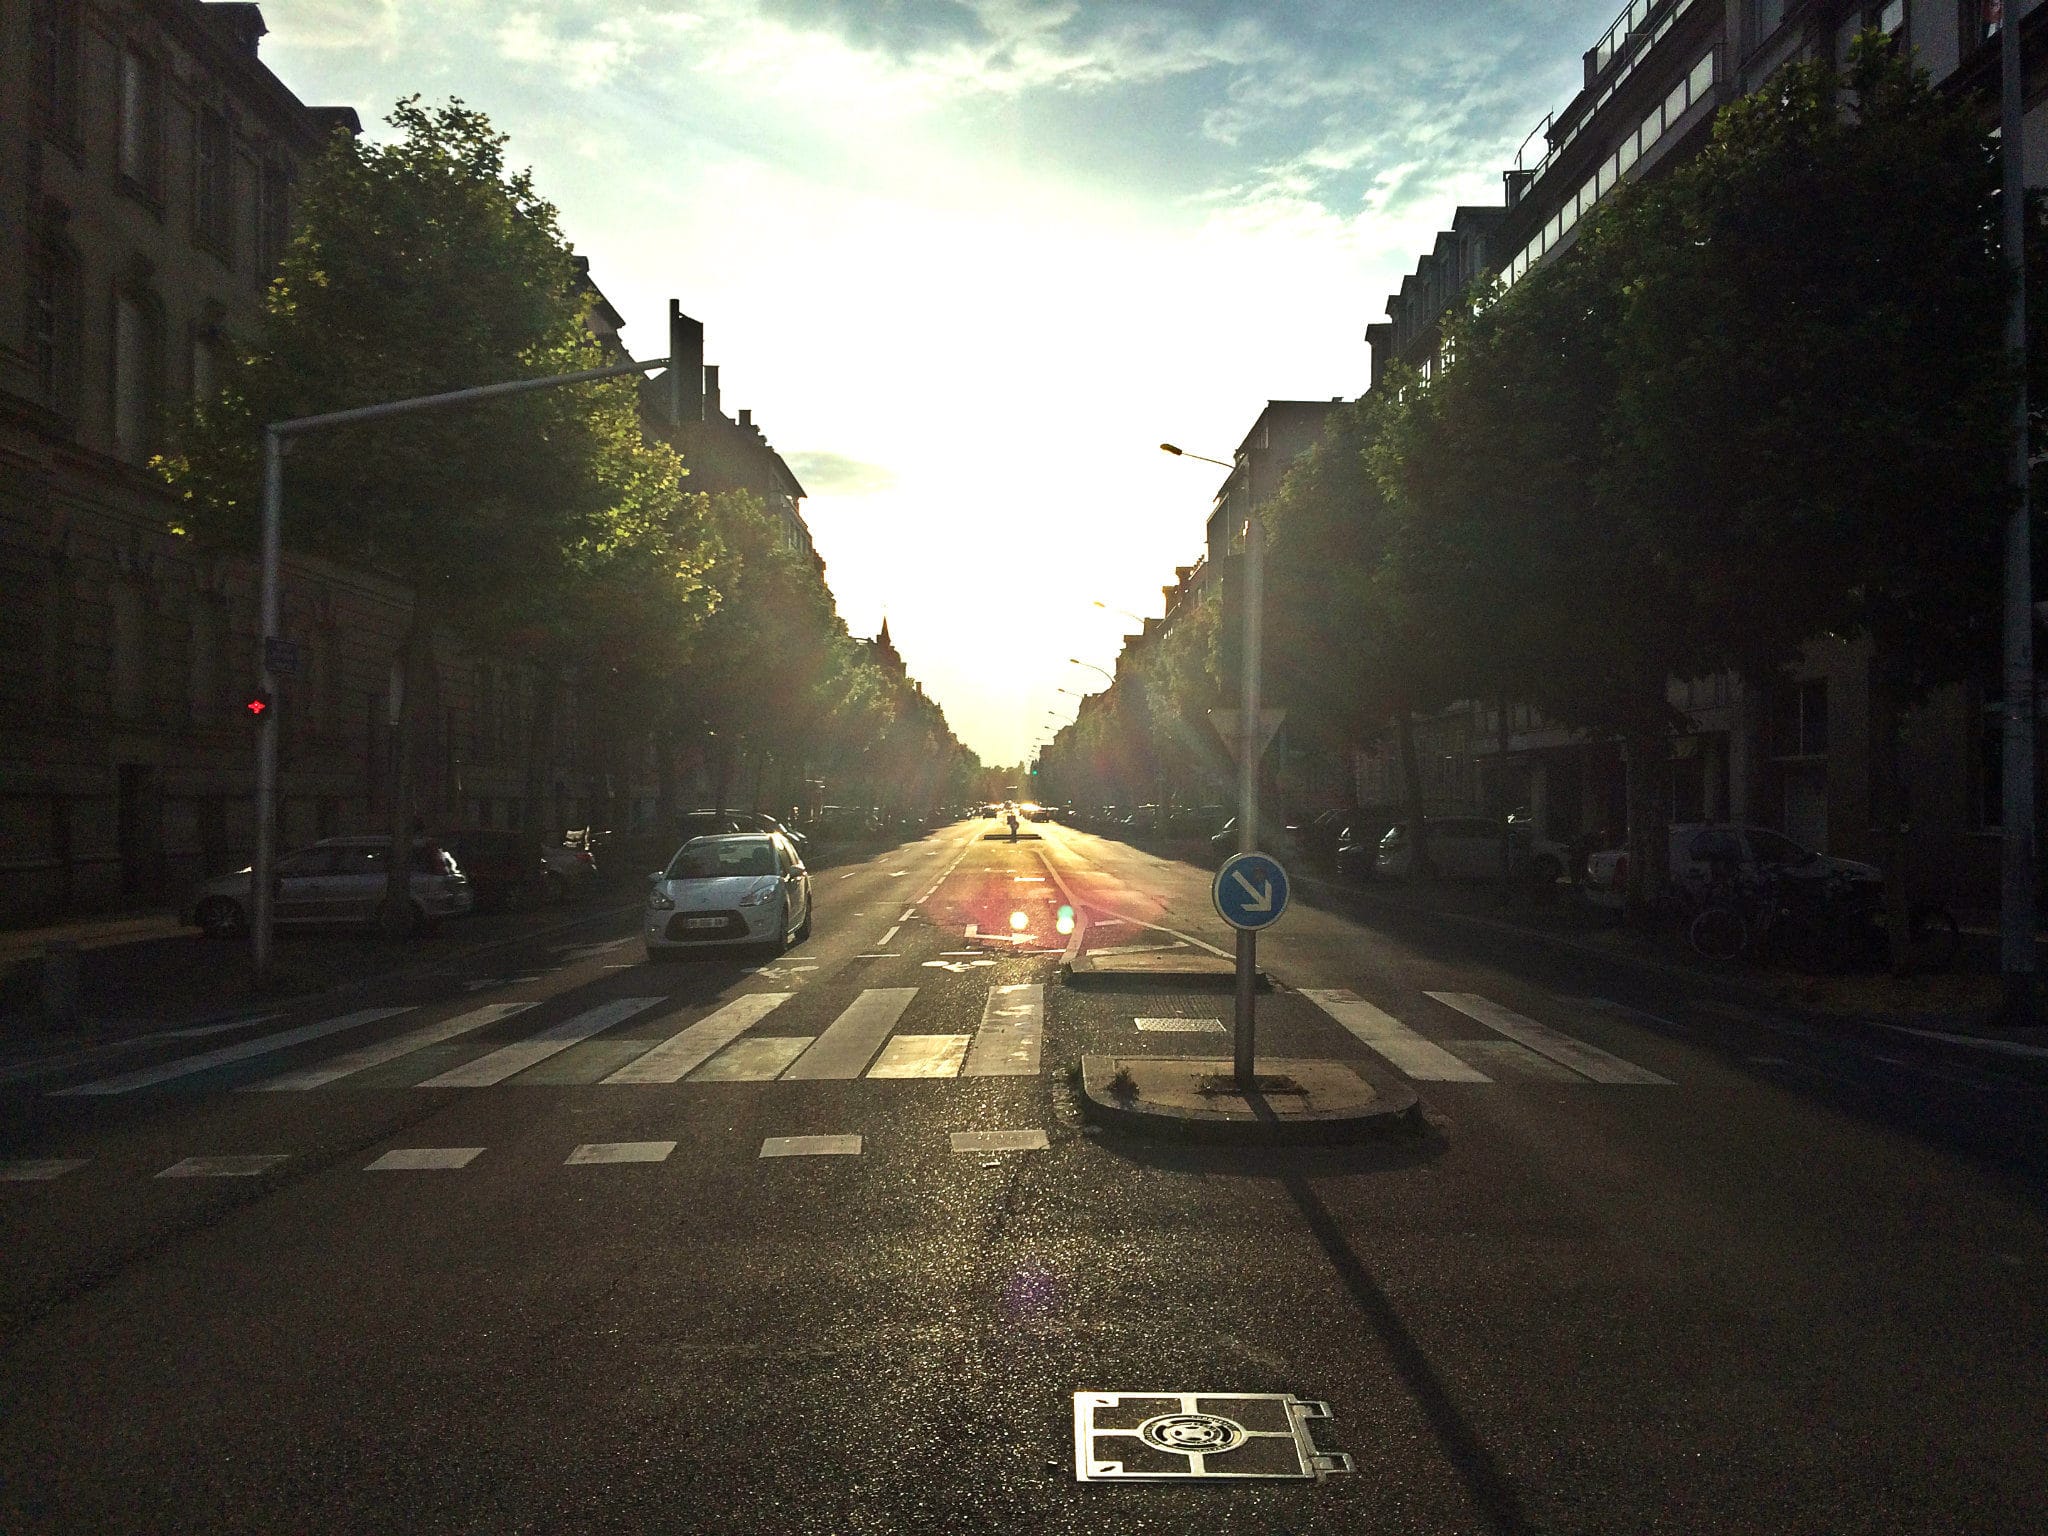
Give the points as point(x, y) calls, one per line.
point(759, 1060)
point(221, 1167)
point(999, 1141)
point(688, 1049)
point(1181, 1026)
point(1137, 949)
point(36, 1170)
point(851, 1040)
point(149, 1077)
point(323, 1073)
point(908, 914)
point(811, 1146)
point(1012, 1032)
point(620, 1152)
point(406, 1159)
point(891, 934)
point(1586, 1060)
point(1379, 1031)
point(884, 955)
point(921, 1056)
point(509, 1060)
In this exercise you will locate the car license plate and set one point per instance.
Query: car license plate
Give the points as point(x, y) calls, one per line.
point(703, 922)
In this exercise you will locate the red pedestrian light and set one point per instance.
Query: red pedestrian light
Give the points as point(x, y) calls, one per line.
point(257, 707)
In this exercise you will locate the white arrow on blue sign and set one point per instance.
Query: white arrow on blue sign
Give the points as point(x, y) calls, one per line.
point(1250, 890)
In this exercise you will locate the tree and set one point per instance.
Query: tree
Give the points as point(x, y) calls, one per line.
point(421, 266)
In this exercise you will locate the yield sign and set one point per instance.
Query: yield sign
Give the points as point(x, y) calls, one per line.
point(1225, 721)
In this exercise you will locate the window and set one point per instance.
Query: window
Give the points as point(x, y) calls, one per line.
point(205, 365)
point(1979, 20)
point(138, 374)
point(1888, 17)
point(1801, 726)
point(1700, 85)
point(53, 67)
point(1764, 17)
point(53, 323)
point(213, 186)
point(273, 218)
point(140, 152)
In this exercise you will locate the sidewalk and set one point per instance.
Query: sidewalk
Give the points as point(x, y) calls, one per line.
point(90, 933)
point(1959, 1007)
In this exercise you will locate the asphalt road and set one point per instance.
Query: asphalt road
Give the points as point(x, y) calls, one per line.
point(1662, 1266)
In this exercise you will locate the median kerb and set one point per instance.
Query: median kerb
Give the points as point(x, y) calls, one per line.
point(1293, 1100)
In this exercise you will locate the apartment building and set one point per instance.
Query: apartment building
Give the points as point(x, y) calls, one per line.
point(1795, 754)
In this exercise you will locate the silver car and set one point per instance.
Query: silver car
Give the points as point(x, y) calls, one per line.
point(740, 888)
point(338, 881)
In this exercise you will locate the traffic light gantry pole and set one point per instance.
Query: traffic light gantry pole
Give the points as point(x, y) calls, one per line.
point(262, 874)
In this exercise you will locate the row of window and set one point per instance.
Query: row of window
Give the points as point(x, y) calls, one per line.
point(55, 71)
point(1697, 85)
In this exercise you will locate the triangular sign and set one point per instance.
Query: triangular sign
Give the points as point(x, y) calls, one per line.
point(1225, 722)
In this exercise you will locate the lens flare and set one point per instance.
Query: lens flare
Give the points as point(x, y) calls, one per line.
point(1066, 920)
point(1019, 921)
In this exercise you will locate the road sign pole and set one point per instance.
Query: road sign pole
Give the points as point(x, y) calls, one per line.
point(1248, 754)
point(265, 863)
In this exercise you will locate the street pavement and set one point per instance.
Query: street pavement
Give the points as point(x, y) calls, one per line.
point(818, 1243)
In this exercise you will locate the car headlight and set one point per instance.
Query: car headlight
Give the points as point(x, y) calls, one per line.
point(660, 900)
point(759, 895)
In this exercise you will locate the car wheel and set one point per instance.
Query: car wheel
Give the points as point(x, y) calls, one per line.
point(220, 918)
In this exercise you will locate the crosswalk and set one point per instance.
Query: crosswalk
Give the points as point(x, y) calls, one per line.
point(1528, 1048)
point(864, 1040)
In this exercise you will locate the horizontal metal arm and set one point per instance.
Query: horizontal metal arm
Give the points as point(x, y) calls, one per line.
point(455, 397)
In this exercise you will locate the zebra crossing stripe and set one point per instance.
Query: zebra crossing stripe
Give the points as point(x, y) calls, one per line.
point(921, 1056)
point(686, 1050)
point(508, 1060)
point(759, 1060)
point(851, 1040)
point(1378, 1031)
point(149, 1077)
point(1586, 1060)
point(362, 1059)
point(1012, 1033)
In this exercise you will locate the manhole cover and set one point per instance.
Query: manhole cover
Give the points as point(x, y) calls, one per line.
point(1178, 1436)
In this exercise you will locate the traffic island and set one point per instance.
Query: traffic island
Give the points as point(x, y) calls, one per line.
point(1294, 1101)
point(1174, 969)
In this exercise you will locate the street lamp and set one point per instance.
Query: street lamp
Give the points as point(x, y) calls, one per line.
point(1125, 612)
point(1249, 737)
point(1078, 662)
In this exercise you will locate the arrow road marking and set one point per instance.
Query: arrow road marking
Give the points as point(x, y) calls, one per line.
point(1261, 896)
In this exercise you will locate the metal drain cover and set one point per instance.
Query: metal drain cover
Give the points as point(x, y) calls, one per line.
point(1153, 1437)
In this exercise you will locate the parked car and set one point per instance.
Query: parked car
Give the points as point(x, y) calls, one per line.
point(1357, 853)
point(1278, 841)
point(338, 881)
point(1468, 848)
point(1317, 836)
point(1700, 850)
point(572, 872)
point(506, 868)
point(744, 888)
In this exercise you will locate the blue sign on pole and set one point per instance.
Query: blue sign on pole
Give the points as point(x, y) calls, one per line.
point(1250, 890)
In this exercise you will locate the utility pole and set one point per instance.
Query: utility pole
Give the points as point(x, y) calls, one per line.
point(262, 917)
point(2016, 906)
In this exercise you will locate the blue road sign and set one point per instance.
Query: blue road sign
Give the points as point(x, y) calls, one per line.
point(1250, 890)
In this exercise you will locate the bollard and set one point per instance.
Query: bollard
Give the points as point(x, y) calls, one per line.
point(61, 981)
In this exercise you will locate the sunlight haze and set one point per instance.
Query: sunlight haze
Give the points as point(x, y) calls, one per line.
point(969, 263)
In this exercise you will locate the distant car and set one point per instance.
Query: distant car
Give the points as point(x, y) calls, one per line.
point(745, 888)
point(1277, 841)
point(1700, 849)
point(1318, 836)
point(337, 882)
point(1356, 856)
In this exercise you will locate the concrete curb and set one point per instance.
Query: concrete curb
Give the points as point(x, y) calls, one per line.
point(1396, 1113)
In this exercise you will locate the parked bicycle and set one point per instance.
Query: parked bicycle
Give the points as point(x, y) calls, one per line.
point(1820, 926)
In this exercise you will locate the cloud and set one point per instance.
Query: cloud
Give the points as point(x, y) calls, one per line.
point(834, 474)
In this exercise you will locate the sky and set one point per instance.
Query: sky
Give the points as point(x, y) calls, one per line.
point(969, 262)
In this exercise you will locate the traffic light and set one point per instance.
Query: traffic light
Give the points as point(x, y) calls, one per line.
point(257, 705)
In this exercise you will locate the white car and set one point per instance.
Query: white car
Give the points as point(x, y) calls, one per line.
point(1698, 849)
point(1468, 848)
point(338, 881)
point(740, 888)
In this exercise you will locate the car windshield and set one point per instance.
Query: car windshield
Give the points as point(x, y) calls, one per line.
point(1773, 849)
point(723, 859)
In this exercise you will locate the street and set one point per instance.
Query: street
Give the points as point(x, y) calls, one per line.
point(573, 1241)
